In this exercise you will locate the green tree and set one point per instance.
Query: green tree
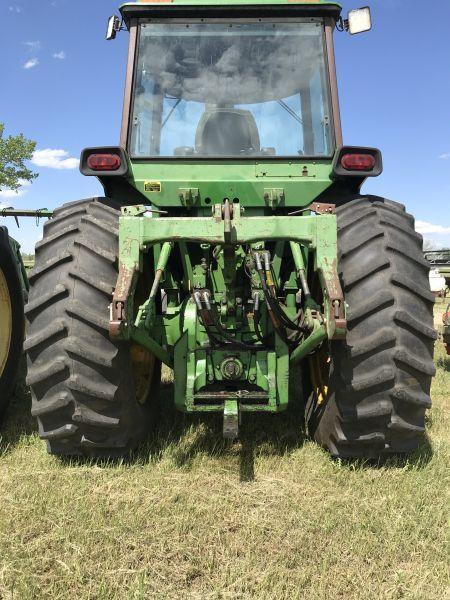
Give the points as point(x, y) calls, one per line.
point(14, 151)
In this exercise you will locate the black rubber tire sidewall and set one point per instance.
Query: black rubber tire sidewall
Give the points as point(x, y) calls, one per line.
point(379, 380)
point(81, 381)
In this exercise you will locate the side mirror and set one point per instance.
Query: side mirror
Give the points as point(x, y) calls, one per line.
point(359, 20)
point(114, 25)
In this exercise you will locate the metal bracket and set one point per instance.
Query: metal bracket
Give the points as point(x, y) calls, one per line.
point(189, 196)
point(273, 197)
point(227, 213)
point(337, 321)
point(139, 211)
point(231, 419)
point(118, 317)
point(320, 208)
point(133, 211)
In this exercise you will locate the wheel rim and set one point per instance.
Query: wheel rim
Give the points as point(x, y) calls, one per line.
point(143, 365)
point(5, 322)
point(319, 365)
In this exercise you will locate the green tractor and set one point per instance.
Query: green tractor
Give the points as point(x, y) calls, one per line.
point(12, 321)
point(440, 262)
point(13, 294)
point(232, 245)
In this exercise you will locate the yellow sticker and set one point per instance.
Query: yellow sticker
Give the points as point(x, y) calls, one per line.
point(152, 186)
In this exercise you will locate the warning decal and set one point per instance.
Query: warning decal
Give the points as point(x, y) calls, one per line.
point(152, 186)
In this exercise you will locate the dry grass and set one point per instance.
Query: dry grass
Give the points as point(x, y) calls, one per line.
point(194, 517)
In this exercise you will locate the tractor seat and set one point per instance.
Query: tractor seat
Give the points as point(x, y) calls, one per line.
point(227, 132)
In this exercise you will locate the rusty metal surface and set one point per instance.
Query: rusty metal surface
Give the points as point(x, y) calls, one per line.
point(117, 308)
point(222, 395)
point(322, 208)
point(336, 303)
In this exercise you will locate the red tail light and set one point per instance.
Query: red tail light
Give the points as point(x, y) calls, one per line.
point(104, 162)
point(358, 162)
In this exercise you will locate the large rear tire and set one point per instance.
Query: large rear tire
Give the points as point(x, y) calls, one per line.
point(379, 379)
point(11, 320)
point(87, 394)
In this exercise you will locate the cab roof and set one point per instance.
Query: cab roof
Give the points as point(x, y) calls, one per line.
point(228, 2)
point(211, 8)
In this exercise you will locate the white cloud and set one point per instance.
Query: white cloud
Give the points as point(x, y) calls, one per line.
point(54, 159)
point(11, 193)
point(445, 156)
point(15, 193)
point(30, 64)
point(60, 55)
point(430, 229)
point(33, 46)
point(15, 8)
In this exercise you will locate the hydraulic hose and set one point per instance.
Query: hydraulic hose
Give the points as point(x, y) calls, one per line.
point(271, 307)
point(209, 317)
point(301, 270)
point(274, 302)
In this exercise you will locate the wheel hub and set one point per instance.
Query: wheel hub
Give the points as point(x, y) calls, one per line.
point(320, 369)
point(5, 322)
point(143, 364)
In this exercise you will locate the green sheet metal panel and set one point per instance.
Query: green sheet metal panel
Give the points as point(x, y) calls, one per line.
point(216, 180)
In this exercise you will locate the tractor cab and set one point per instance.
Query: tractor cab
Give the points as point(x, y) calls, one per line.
point(248, 90)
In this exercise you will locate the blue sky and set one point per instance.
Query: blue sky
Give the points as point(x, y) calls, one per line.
point(62, 85)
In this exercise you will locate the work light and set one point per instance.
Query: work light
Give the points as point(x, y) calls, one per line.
point(359, 20)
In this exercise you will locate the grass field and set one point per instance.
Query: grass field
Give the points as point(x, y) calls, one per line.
point(194, 517)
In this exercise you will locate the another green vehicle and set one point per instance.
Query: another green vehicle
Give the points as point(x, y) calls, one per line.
point(13, 291)
point(233, 245)
point(440, 260)
point(13, 295)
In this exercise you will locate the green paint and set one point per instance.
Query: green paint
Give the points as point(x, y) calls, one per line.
point(249, 180)
point(223, 264)
point(314, 340)
point(232, 339)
